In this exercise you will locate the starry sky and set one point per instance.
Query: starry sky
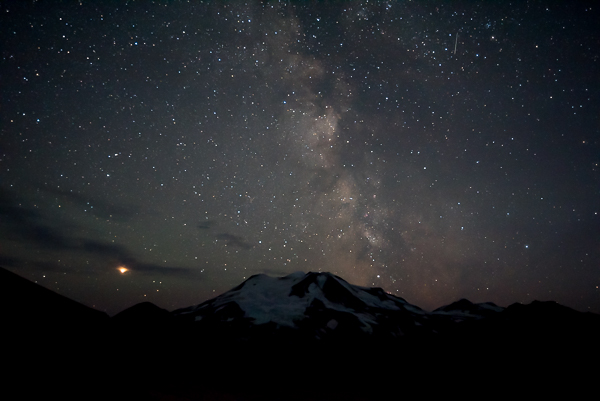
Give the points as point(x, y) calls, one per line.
point(166, 151)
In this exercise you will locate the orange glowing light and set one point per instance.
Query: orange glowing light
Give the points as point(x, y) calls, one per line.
point(122, 269)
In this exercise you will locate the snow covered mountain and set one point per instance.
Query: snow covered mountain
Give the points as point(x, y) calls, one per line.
point(323, 306)
point(466, 310)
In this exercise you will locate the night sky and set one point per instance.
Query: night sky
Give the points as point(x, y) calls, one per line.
point(439, 150)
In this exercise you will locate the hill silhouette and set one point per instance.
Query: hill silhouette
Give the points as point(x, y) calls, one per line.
point(303, 336)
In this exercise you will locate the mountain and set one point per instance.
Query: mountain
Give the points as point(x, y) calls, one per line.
point(465, 309)
point(313, 306)
point(303, 336)
point(318, 325)
point(50, 343)
point(324, 310)
point(142, 315)
point(26, 305)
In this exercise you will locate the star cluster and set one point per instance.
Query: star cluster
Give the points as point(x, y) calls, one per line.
point(166, 151)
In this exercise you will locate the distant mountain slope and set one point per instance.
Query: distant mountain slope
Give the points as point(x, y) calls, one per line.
point(26, 304)
point(51, 345)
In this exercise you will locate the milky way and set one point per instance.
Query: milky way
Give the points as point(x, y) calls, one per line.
point(438, 151)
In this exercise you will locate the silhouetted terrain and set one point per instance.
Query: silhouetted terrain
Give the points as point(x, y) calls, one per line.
point(303, 336)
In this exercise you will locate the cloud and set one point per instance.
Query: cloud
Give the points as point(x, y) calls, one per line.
point(28, 226)
point(46, 266)
point(153, 268)
point(234, 240)
point(7, 261)
point(103, 251)
point(100, 208)
point(205, 225)
point(12, 211)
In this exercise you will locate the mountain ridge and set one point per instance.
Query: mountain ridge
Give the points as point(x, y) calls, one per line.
point(313, 325)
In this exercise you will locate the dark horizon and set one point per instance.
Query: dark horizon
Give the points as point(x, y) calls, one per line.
point(167, 152)
point(56, 296)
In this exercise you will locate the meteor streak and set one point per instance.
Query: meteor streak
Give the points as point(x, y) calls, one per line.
point(455, 43)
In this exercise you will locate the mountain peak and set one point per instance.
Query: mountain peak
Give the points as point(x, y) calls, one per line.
point(293, 300)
